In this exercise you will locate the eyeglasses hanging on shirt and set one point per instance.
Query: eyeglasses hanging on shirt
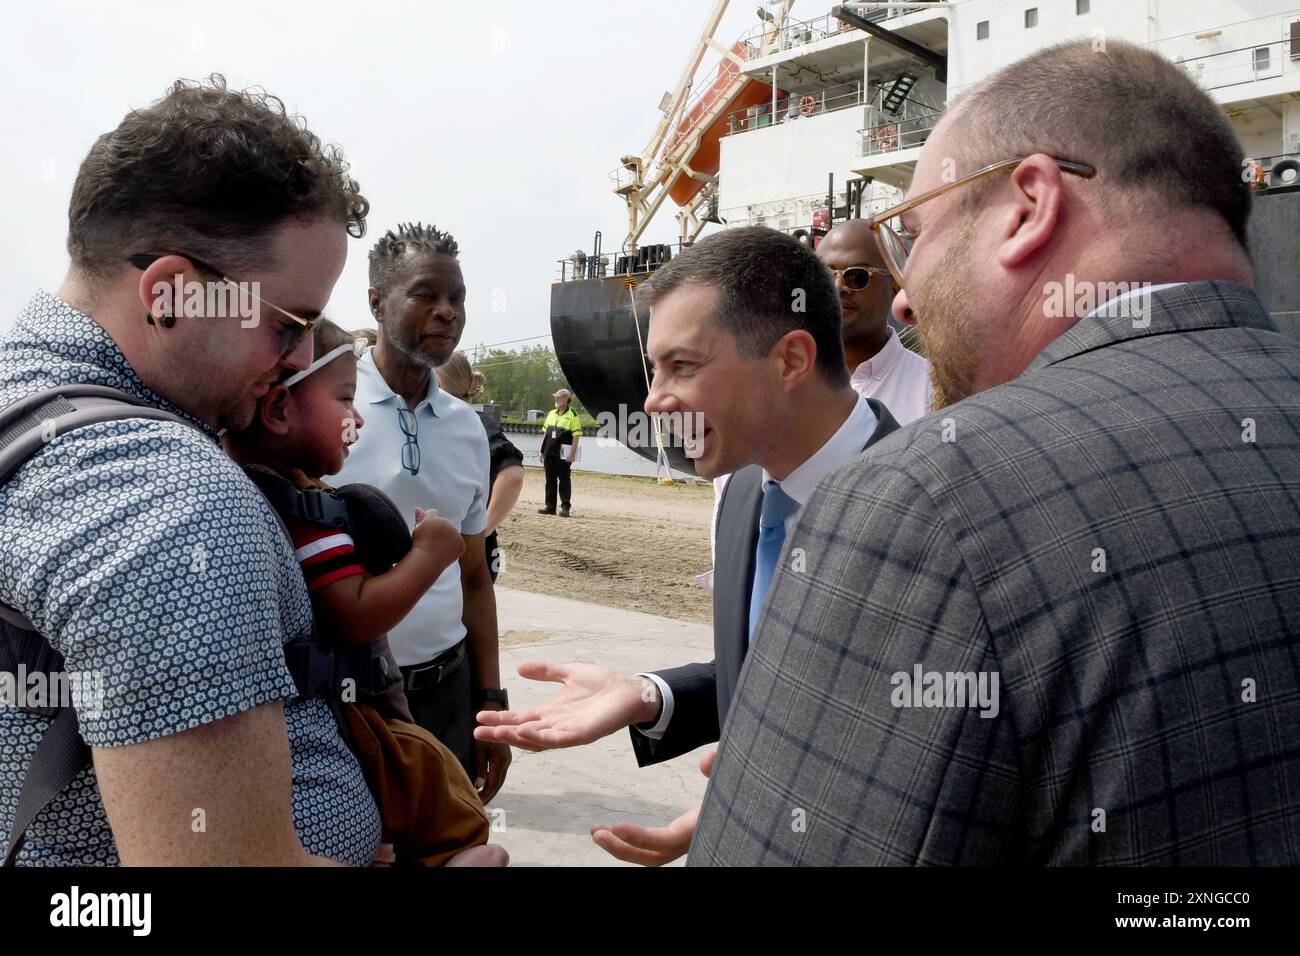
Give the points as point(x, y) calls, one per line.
point(411, 450)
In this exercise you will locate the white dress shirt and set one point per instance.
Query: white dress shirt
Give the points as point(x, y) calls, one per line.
point(842, 447)
point(896, 377)
point(452, 479)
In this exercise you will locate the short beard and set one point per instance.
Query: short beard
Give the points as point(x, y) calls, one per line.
point(237, 419)
point(411, 354)
point(944, 321)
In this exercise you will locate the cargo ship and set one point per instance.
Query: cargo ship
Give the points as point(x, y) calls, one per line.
point(804, 123)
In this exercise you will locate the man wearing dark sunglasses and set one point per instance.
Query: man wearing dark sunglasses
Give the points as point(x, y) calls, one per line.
point(881, 366)
point(1033, 625)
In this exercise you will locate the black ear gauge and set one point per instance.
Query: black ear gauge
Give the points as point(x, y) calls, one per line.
point(148, 317)
point(168, 321)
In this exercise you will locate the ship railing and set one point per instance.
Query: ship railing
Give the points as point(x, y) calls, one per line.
point(911, 128)
point(1248, 64)
point(799, 33)
point(647, 259)
point(644, 261)
point(796, 106)
point(704, 100)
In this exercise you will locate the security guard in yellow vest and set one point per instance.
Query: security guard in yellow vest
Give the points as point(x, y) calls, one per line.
point(559, 449)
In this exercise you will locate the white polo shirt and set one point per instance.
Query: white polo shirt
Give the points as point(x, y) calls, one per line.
point(452, 479)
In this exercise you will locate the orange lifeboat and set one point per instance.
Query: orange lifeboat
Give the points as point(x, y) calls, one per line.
point(706, 158)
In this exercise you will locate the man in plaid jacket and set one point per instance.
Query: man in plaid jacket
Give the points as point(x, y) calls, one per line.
point(1055, 621)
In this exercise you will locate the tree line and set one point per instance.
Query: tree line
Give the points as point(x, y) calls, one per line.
point(520, 379)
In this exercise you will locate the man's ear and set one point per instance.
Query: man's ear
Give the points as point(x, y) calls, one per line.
point(158, 286)
point(274, 411)
point(797, 351)
point(1035, 213)
point(376, 304)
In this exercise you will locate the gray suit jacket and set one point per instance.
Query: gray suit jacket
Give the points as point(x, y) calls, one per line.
point(1115, 535)
point(702, 692)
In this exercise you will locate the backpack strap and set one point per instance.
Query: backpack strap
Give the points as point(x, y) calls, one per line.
point(320, 667)
point(31, 423)
point(61, 753)
point(308, 505)
point(27, 426)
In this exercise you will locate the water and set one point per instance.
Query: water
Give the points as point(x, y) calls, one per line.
point(605, 455)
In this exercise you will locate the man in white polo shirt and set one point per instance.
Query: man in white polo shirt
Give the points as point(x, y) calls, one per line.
point(426, 449)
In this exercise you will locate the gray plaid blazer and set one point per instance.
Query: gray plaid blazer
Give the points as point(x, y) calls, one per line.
point(1115, 537)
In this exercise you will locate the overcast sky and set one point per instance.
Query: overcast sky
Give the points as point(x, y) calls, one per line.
point(499, 121)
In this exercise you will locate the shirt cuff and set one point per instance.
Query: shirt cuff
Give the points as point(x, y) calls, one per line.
point(665, 715)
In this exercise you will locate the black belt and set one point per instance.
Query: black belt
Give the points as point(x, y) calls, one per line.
point(424, 676)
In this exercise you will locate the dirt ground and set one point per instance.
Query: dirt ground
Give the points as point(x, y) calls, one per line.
point(629, 543)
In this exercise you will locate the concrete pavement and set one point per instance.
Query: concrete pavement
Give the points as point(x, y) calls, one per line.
point(550, 800)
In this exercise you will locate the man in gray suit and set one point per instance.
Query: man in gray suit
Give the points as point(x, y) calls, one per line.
point(1054, 622)
point(745, 334)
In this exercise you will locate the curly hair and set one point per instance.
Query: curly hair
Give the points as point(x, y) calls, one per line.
point(209, 171)
point(410, 239)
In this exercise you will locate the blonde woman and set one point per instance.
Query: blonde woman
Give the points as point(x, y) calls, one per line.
point(506, 469)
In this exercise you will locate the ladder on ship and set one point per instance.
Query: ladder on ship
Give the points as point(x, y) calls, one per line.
point(896, 95)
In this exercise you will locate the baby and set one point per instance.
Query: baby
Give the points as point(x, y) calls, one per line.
point(303, 427)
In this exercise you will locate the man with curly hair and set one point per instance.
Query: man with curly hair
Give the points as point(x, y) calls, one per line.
point(426, 448)
point(136, 548)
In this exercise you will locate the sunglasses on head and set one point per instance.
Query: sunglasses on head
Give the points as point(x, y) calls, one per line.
point(856, 278)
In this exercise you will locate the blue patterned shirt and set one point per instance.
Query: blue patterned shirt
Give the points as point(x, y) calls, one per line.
point(148, 559)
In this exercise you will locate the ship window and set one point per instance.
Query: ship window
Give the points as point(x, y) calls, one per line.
point(1081, 7)
point(982, 30)
point(1031, 17)
point(1261, 58)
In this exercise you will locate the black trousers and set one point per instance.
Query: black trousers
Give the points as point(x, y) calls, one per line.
point(557, 472)
point(442, 702)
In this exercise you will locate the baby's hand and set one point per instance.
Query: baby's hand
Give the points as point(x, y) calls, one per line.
point(437, 537)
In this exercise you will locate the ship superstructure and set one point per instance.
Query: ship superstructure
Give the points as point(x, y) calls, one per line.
point(806, 122)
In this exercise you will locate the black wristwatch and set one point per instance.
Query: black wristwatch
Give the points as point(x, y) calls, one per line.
point(498, 694)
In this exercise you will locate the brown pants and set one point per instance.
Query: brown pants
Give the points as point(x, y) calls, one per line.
point(429, 808)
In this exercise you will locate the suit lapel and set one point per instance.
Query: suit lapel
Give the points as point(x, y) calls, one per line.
point(885, 423)
point(733, 575)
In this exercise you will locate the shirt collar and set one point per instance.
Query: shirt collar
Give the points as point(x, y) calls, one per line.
point(76, 349)
point(1109, 304)
point(435, 399)
point(879, 365)
point(839, 450)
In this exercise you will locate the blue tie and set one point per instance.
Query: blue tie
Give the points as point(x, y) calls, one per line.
point(777, 506)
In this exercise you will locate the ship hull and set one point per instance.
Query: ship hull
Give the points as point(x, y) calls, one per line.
point(596, 342)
